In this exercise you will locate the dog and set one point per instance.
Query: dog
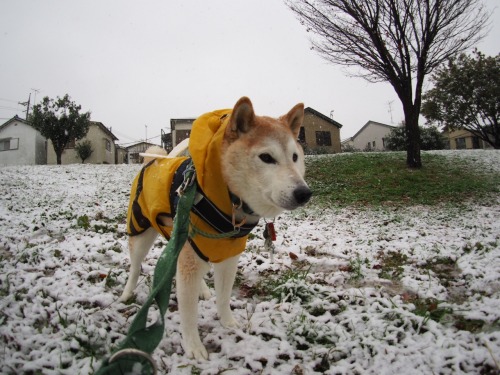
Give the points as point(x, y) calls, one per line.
point(247, 167)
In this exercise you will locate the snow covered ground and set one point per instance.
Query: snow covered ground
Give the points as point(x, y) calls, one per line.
point(395, 290)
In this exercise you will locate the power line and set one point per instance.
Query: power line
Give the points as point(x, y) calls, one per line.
point(9, 100)
point(139, 141)
point(10, 108)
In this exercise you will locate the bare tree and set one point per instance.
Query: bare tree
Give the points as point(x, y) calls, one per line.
point(395, 41)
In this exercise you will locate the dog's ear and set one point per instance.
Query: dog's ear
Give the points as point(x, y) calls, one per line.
point(243, 116)
point(294, 119)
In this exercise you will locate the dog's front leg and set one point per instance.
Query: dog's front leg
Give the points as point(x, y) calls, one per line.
point(224, 275)
point(190, 272)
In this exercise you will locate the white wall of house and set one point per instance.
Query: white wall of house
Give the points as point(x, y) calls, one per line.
point(20, 144)
point(371, 136)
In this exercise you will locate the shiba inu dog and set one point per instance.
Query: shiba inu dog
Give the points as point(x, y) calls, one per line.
point(247, 167)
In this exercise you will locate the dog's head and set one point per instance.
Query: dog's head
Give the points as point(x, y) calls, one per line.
point(262, 161)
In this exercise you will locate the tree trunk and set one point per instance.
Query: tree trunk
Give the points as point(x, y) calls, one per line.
point(58, 157)
point(413, 157)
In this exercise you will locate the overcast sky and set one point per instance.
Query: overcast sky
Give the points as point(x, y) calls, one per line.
point(136, 64)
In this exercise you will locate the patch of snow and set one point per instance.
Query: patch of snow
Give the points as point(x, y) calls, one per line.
point(64, 262)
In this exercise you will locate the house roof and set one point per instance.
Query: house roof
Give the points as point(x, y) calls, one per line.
point(104, 129)
point(322, 116)
point(370, 122)
point(147, 144)
point(15, 118)
point(97, 123)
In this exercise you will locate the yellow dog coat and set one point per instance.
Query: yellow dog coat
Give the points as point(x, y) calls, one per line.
point(153, 194)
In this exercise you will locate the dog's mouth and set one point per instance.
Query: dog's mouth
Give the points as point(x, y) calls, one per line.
point(299, 198)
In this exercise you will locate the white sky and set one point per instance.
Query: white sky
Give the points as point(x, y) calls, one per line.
point(140, 63)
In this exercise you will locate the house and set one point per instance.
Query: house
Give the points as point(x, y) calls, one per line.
point(180, 128)
point(121, 155)
point(371, 137)
point(318, 132)
point(21, 144)
point(133, 151)
point(462, 139)
point(102, 141)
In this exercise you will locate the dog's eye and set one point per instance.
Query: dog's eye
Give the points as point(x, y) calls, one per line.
point(266, 158)
point(295, 157)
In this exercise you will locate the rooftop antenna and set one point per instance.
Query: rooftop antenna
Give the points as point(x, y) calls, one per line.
point(331, 114)
point(36, 92)
point(389, 104)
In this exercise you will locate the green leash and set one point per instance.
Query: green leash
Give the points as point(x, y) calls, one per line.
point(133, 355)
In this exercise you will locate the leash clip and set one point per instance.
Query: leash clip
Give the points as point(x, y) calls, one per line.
point(189, 179)
point(237, 226)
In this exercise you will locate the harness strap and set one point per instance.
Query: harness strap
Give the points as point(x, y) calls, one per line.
point(218, 220)
point(176, 183)
point(142, 220)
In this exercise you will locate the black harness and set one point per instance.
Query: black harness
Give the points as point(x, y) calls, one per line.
point(207, 210)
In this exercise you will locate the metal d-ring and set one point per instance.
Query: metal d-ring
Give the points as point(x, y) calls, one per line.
point(136, 352)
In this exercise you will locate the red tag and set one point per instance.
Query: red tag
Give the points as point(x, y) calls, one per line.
point(271, 231)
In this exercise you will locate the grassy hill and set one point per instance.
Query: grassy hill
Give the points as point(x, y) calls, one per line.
point(383, 178)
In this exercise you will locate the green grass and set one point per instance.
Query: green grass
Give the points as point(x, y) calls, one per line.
point(375, 179)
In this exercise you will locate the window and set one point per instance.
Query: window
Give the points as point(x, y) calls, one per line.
point(181, 135)
point(302, 135)
point(476, 143)
point(108, 145)
point(71, 144)
point(7, 144)
point(460, 143)
point(323, 138)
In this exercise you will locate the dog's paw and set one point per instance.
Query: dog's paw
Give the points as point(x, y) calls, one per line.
point(125, 297)
point(229, 321)
point(196, 351)
point(205, 293)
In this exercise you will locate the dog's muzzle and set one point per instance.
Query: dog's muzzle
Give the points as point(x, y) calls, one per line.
point(302, 195)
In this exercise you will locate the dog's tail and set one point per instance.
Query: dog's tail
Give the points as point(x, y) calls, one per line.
point(154, 152)
point(180, 150)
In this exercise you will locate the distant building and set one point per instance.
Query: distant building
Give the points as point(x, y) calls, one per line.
point(181, 129)
point(318, 132)
point(462, 139)
point(121, 155)
point(102, 141)
point(371, 137)
point(21, 144)
point(134, 150)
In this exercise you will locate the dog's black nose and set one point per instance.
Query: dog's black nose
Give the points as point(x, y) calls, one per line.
point(302, 194)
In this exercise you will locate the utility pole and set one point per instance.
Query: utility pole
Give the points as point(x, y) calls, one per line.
point(27, 105)
point(146, 133)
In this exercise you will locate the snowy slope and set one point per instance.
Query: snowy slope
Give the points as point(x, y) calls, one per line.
point(411, 290)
